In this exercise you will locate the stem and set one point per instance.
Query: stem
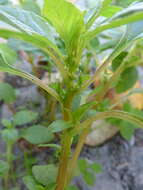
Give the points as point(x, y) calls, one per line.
point(9, 161)
point(64, 160)
point(66, 150)
point(73, 161)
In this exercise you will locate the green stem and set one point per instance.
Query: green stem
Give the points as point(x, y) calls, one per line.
point(73, 161)
point(9, 161)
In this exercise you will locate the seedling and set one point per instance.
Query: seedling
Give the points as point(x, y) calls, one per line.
point(77, 29)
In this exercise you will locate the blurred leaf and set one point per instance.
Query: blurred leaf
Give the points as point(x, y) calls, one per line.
point(7, 93)
point(118, 60)
point(8, 55)
point(7, 123)
point(97, 168)
point(58, 126)
point(4, 167)
point(127, 130)
point(127, 80)
point(110, 10)
point(83, 165)
point(89, 178)
point(31, 5)
point(30, 183)
point(79, 113)
point(37, 134)
point(24, 116)
point(45, 174)
point(10, 135)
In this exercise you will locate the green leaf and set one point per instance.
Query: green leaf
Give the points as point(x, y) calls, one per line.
point(7, 123)
point(31, 5)
point(83, 165)
point(79, 113)
point(89, 177)
point(59, 125)
point(118, 60)
point(132, 118)
point(97, 168)
point(32, 78)
point(110, 10)
point(4, 167)
point(69, 26)
point(7, 54)
point(37, 134)
point(7, 93)
point(129, 15)
point(127, 130)
point(127, 80)
point(30, 183)
point(24, 116)
point(10, 135)
point(45, 174)
point(26, 21)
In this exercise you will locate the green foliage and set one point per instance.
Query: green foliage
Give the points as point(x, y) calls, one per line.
point(7, 93)
point(88, 171)
point(69, 26)
point(37, 134)
point(58, 126)
point(10, 135)
point(7, 54)
point(127, 80)
point(24, 117)
point(49, 173)
point(4, 167)
point(63, 22)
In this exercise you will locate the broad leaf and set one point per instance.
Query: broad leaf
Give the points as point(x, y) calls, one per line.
point(24, 116)
point(7, 93)
point(65, 17)
point(30, 183)
point(45, 174)
point(37, 134)
point(127, 80)
point(58, 126)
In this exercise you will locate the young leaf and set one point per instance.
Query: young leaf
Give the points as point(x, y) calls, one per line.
point(37, 134)
point(58, 126)
point(7, 54)
point(30, 183)
point(127, 130)
point(89, 178)
point(72, 187)
point(7, 93)
point(10, 135)
point(78, 114)
point(97, 168)
point(127, 80)
point(45, 174)
point(69, 26)
point(4, 167)
point(24, 116)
